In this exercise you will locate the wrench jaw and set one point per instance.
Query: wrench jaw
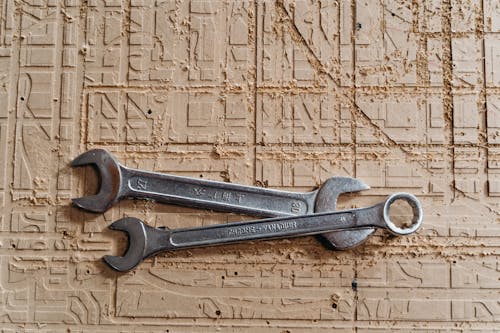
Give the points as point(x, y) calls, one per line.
point(143, 241)
point(110, 176)
point(326, 201)
point(346, 239)
point(136, 233)
point(329, 192)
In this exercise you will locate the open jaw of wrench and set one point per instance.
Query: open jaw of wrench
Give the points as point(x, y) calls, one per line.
point(145, 241)
point(118, 182)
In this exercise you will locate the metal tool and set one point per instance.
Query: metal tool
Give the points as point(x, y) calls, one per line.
point(118, 181)
point(145, 241)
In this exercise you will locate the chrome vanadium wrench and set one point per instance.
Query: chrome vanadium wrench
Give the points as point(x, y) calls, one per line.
point(118, 182)
point(145, 241)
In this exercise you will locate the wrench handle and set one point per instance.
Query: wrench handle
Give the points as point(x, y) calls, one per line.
point(220, 196)
point(275, 228)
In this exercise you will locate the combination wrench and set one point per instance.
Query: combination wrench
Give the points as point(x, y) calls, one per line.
point(145, 241)
point(118, 182)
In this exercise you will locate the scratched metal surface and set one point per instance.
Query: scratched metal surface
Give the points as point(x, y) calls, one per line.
point(402, 94)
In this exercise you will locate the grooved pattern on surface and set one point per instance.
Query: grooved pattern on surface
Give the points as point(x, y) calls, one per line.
point(404, 95)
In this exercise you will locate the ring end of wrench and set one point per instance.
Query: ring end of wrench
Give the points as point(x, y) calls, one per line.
point(417, 210)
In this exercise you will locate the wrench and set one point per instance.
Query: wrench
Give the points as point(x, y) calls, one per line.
point(145, 241)
point(118, 181)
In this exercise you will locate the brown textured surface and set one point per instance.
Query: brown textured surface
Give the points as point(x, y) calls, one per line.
point(402, 94)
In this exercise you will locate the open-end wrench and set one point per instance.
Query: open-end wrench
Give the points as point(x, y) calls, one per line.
point(118, 181)
point(145, 241)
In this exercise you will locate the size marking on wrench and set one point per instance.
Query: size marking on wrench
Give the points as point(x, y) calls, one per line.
point(142, 185)
point(212, 195)
point(118, 181)
point(145, 241)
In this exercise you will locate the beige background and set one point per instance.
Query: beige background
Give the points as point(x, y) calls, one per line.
point(404, 95)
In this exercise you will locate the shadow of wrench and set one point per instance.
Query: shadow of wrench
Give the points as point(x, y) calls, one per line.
point(145, 241)
point(118, 182)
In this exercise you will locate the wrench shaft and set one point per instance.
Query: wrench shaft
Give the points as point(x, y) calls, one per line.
point(207, 194)
point(269, 229)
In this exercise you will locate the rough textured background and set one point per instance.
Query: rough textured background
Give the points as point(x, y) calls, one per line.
point(402, 94)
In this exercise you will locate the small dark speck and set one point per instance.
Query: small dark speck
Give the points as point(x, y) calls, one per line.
point(393, 14)
point(354, 285)
point(22, 98)
point(217, 313)
point(149, 111)
point(358, 26)
point(334, 305)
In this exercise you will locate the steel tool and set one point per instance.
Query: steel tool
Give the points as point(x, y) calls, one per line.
point(145, 241)
point(118, 181)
